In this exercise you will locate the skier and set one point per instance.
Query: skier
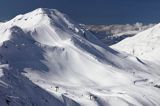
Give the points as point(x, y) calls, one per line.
point(57, 88)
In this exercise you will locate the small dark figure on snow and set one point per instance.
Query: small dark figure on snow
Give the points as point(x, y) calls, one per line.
point(92, 97)
point(57, 88)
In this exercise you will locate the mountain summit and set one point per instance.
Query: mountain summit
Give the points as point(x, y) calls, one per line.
point(47, 59)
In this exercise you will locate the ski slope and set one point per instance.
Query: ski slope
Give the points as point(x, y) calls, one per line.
point(144, 45)
point(47, 59)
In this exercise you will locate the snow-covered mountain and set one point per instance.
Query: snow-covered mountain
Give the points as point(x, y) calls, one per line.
point(144, 45)
point(46, 59)
point(112, 34)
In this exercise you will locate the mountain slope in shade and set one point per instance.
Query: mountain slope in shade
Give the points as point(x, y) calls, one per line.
point(144, 45)
point(47, 59)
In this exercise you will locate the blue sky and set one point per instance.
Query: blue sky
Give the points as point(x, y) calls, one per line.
point(89, 11)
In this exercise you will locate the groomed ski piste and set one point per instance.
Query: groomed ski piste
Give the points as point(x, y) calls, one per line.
point(47, 59)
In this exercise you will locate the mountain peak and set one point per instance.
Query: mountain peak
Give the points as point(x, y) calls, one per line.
point(44, 11)
point(35, 17)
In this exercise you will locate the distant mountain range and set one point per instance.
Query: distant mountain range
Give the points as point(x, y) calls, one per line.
point(112, 34)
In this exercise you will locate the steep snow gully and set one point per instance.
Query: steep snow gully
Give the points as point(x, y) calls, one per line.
point(46, 59)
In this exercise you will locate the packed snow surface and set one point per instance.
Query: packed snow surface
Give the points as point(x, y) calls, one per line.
point(144, 45)
point(46, 59)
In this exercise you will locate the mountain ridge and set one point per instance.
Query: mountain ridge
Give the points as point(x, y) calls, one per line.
point(58, 62)
point(112, 34)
